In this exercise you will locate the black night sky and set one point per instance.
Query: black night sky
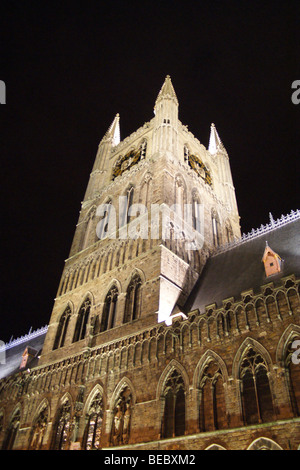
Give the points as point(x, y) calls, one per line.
point(69, 67)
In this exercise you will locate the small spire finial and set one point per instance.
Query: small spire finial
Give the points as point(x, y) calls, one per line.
point(167, 90)
point(215, 142)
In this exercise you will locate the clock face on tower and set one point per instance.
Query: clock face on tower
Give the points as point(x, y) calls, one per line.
point(125, 162)
point(198, 166)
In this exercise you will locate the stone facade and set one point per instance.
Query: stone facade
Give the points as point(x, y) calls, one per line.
point(125, 364)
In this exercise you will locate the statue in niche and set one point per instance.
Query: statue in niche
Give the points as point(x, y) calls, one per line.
point(122, 419)
point(117, 427)
point(126, 424)
point(39, 430)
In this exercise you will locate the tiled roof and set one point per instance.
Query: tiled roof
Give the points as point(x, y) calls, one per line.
point(240, 268)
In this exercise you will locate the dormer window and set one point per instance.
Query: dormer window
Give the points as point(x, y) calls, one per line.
point(272, 261)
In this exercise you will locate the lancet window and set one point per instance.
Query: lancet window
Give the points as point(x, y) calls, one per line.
point(12, 431)
point(106, 222)
point(109, 309)
point(174, 406)
point(196, 215)
point(82, 320)
point(62, 427)
point(255, 389)
point(87, 229)
point(94, 420)
point(216, 229)
point(133, 299)
point(62, 328)
point(212, 410)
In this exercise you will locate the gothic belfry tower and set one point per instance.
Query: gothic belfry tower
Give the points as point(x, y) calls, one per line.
point(157, 204)
point(169, 330)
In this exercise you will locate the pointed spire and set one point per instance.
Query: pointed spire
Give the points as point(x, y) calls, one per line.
point(167, 91)
point(215, 143)
point(113, 131)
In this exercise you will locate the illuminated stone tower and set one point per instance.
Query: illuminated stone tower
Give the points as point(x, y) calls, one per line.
point(157, 204)
point(161, 336)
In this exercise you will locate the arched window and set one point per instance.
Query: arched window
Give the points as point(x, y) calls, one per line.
point(229, 232)
point(106, 224)
point(109, 309)
point(82, 320)
point(125, 203)
point(133, 299)
point(216, 229)
point(93, 428)
point(196, 219)
point(174, 409)
point(130, 193)
point(255, 389)
point(212, 411)
point(120, 432)
point(38, 429)
point(62, 329)
point(12, 431)
point(180, 197)
point(62, 427)
point(87, 229)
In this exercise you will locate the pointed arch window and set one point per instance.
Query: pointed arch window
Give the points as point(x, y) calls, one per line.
point(87, 228)
point(105, 223)
point(196, 215)
point(127, 202)
point(255, 389)
point(62, 427)
point(39, 429)
point(120, 431)
point(130, 193)
point(62, 328)
point(174, 407)
point(82, 320)
point(109, 309)
point(133, 299)
point(216, 229)
point(229, 232)
point(12, 431)
point(180, 197)
point(212, 410)
point(94, 420)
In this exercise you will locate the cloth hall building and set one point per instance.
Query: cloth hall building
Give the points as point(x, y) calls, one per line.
point(169, 330)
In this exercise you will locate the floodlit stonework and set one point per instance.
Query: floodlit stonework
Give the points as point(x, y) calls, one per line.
point(153, 344)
